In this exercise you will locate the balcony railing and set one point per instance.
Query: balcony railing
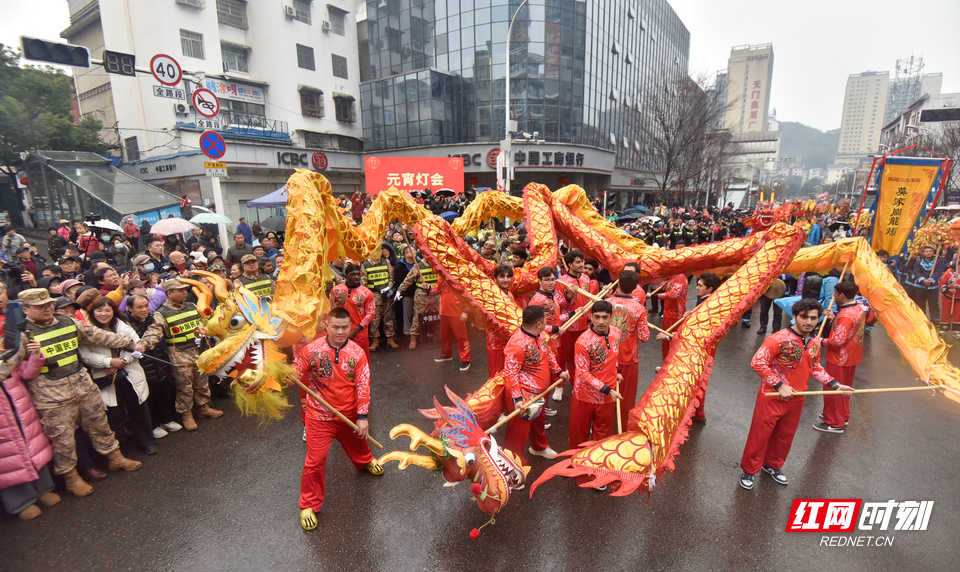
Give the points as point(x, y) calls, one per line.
point(253, 125)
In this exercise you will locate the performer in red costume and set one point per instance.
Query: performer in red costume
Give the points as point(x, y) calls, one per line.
point(503, 275)
point(528, 364)
point(630, 318)
point(593, 407)
point(674, 297)
point(844, 350)
point(358, 300)
point(337, 369)
point(707, 284)
point(552, 301)
point(638, 294)
point(572, 279)
point(453, 324)
point(784, 362)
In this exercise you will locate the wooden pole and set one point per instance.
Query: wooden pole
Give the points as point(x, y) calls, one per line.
point(652, 327)
point(619, 421)
point(579, 313)
point(954, 293)
point(858, 391)
point(935, 257)
point(579, 290)
point(341, 416)
point(528, 403)
point(830, 304)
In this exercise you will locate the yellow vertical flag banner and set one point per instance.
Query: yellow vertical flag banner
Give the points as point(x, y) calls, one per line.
point(905, 184)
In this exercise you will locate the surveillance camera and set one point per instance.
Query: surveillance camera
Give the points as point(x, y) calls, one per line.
point(526, 135)
point(536, 134)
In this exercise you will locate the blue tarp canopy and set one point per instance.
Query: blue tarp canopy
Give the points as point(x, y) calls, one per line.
point(277, 198)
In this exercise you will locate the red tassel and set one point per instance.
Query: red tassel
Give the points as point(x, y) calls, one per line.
point(475, 489)
point(474, 534)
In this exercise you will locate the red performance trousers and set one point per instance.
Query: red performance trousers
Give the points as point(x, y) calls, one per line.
point(453, 328)
point(949, 311)
point(494, 362)
point(836, 408)
point(363, 340)
point(771, 434)
point(699, 413)
point(602, 417)
point(519, 430)
point(320, 435)
point(628, 389)
point(568, 342)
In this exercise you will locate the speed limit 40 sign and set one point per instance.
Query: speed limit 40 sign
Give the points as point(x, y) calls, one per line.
point(166, 70)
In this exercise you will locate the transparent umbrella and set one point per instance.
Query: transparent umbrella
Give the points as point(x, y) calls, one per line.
point(172, 226)
point(211, 218)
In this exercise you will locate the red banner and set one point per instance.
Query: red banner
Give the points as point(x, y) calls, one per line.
point(413, 174)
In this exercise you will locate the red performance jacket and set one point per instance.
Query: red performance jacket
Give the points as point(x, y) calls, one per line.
point(844, 347)
point(341, 376)
point(630, 319)
point(552, 305)
point(528, 363)
point(785, 357)
point(449, 303)
point(674, 296)
point(577, 301)
point(494, 341)
point(359, 302)
point(596, 358)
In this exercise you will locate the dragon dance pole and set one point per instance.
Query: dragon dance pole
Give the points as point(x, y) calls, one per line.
point(579, 313)
point(858, 391)
point(830, 304)
point(526, 404)
point(341, 416)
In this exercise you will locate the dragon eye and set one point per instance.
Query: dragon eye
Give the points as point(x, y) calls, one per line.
point(470, 458)
point(214, 340)
point(237, 321)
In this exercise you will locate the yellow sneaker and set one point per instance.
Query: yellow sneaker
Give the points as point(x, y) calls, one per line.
point(308, 519)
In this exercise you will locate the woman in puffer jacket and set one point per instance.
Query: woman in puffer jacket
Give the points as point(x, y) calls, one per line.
point(25, 452)
point(125, 395)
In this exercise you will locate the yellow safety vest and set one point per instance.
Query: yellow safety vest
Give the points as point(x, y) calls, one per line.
point(60, 343)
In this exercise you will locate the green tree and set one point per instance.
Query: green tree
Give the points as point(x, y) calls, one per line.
point(35, 105)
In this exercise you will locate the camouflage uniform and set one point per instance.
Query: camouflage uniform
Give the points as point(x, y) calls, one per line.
point(177, 325)
point(425, 301)
point(63, 393)
point(376, 276)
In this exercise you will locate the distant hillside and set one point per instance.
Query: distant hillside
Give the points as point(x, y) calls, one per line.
point(814, 147)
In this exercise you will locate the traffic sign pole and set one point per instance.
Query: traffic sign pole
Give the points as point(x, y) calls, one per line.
point(218, 203)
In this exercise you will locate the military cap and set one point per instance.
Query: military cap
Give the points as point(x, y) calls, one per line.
point(248, 258)
point(173, 284)
point(35, 297)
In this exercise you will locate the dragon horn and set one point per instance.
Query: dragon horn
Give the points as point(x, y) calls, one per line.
point(220, 286)
point(204, 296)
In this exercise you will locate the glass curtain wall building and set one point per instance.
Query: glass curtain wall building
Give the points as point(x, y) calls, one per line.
point(433, 74)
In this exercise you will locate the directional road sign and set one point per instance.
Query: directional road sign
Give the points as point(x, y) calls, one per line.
point(212, 144)
point(206, 103)
point(165, 69)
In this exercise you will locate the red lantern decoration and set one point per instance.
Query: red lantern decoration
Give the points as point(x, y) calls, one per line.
point(473, 180)
point(564, 180)
point(175, 329)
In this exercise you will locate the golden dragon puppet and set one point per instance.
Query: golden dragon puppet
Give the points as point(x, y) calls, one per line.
point(318, 233)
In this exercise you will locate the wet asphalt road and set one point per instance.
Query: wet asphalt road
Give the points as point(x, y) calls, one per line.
point(225, 497)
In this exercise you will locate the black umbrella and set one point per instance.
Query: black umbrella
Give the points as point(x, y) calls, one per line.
point(628, 218)
point(835, 225)
point(274, 223)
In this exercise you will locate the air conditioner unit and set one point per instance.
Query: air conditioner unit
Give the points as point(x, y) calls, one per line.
point(290, 12)
point(325, 26)
point(179, 109)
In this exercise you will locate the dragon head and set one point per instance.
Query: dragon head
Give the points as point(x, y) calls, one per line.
point(242, 330)
point(763, 218)
point(463, 451)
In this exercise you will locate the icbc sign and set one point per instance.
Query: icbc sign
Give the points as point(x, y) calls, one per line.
point(319, 160)
point(492, 155)
point(413, 173)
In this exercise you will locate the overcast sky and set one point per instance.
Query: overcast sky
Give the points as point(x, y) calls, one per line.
point(816, 43)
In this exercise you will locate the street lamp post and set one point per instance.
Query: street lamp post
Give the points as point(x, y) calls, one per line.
point(509, 126)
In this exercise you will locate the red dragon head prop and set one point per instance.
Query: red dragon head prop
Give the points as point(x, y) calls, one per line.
point(463, 451)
